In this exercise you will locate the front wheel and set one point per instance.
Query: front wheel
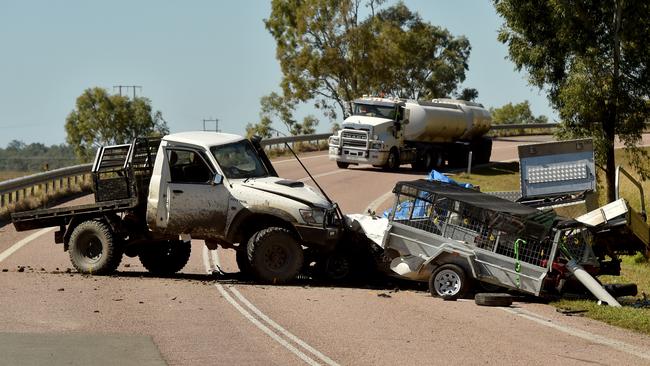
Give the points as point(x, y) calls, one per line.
point(393, 160)
point(165, 257)
point(449, 281)
point(275, 255)
point(342, 164)
point(93, 249)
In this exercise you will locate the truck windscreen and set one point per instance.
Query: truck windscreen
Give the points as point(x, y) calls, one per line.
point(239, 160)
point(371, 110)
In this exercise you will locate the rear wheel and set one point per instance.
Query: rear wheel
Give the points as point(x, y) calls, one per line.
point(342, 164)
point(93, 249)
point(275, 255)
point(165, 257)
point(449, 281)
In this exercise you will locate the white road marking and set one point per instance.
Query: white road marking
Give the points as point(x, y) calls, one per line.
point(294, 159)
point(12, 249)
point(211, 261)
point(372, 207)
point(616, 344)
point(264, 328)
point(280, 329)
point(324, 174)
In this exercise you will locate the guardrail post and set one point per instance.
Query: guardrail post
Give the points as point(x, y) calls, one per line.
point(2, 200)
point(10, 197)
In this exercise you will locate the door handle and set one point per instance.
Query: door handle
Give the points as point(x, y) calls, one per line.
point(177, 191)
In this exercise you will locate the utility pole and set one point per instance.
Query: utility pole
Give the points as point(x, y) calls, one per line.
point(216, 124)
point(127, 87)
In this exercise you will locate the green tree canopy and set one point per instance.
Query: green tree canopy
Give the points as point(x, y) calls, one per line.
point(330, 54)
point(100, 118)
point(592, 58)
point(519, 113)
point(276, 106)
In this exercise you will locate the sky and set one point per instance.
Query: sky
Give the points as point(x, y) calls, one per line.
point(195, 60)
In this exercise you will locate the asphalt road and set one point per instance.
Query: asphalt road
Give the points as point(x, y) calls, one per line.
point(53, 315)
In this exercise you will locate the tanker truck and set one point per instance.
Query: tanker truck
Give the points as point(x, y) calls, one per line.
point(386, 132)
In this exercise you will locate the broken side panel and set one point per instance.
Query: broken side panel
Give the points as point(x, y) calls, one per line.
point(557, 168)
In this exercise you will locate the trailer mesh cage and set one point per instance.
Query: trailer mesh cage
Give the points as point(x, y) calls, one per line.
point(486, 222)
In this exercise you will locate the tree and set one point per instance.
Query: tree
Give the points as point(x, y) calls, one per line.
point(329, 54)
point(103, 119)
point(279, 107)
point(468, 94)
point(592, 58)
point(515, 114)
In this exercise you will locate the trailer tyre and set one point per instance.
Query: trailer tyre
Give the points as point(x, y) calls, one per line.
point(449, 282)
point(93, 249)
point(493, 299)
point(165, 257)
point(342, 164)
point(275, 255)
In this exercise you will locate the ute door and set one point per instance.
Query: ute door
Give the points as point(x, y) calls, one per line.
point(196, 204)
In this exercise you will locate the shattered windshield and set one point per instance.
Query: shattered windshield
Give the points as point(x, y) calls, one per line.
point(371, 110)
point(239, 160)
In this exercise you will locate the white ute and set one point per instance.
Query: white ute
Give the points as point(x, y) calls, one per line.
point(218, 187)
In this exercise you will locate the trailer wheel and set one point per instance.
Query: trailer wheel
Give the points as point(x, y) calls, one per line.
point(493, 299)
point(93, 249)
point(275, 255)
point(449, 281)
point(165, 257)
point(342, 164)
point(393, 160)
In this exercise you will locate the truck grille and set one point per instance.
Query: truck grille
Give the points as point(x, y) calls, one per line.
point(354, 139)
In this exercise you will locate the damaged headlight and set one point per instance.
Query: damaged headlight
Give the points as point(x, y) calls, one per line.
point(377, 145)
point(314, 216)
point(334, 141)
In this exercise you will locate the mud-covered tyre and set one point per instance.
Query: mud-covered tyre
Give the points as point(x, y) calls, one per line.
point(93, 249)
point(165, 257)
point(275, 255)
point(392, 163)
point(493, 299)
point(342, 164)
point(449, 282)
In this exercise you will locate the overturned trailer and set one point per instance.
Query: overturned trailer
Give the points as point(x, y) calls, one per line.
point(457, 239)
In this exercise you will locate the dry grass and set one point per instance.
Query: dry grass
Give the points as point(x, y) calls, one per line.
point(11, 174)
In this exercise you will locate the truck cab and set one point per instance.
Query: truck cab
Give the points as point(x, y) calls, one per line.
point(369, 133)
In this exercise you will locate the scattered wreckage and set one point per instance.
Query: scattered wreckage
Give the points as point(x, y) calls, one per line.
point(458, 239)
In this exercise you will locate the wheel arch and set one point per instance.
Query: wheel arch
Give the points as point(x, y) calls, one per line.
point(249, 221)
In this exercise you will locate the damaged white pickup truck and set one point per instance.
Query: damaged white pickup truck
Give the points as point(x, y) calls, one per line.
point(213, 186)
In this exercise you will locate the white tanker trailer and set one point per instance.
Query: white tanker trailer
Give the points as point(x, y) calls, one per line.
point(391, 132)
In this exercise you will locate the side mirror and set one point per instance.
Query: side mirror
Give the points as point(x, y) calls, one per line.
point(218, 179)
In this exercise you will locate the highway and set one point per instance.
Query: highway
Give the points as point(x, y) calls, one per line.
point(52, 315)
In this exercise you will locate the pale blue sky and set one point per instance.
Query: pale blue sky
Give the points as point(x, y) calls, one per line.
point(194, 59)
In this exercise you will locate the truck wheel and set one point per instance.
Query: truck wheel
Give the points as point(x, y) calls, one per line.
point(393, 160)
point(275, 255)
point(342, 164)
point(449, 281)
point(165, 257)
point(93, 249)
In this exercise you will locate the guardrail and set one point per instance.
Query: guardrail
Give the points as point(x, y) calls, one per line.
point(14, 190)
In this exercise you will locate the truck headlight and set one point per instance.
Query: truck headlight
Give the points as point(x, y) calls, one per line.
point(334, 141)
point(376, 145)
point(314, 216)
